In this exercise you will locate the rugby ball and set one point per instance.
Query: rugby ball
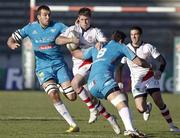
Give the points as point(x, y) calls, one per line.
point(72, 46)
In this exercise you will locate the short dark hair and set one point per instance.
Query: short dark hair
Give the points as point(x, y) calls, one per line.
point(137, 28)
point(118, 35)
point(44, 7)
point(85, 11)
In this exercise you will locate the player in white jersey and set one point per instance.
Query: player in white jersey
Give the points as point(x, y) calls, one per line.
point(145, 81)
point(89, 37)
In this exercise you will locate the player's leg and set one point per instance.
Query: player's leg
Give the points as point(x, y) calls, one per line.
point(118, 99)
point(102, 111)
point(68, 91)
point(77, 84)
point(111, 91)
point(156, 96)
point(140, 98)
point(109, 117)
point(62, 76)
point(143, 106)
point(52, 90)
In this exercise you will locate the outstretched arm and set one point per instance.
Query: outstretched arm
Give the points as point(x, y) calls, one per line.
point(62, 40)
point(140, 62)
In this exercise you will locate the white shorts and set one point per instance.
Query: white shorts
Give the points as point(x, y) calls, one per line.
point(82, 68)
point(140, 87)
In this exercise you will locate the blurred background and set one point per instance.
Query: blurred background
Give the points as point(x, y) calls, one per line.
point(161, 28)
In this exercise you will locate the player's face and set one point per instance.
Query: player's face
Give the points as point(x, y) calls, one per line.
point(44, 18)
point(135, 37)
point(84, 21)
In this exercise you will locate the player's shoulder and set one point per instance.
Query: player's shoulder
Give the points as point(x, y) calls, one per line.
point(129, 45)
point(95, 29)
point(32, 24)
point(55, 23)
point(74, 27)
point(147, 45)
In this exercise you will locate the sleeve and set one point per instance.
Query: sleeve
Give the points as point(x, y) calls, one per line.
point(100, 36)
point(25, 30)
point(63, 27)
point(154, 52)
point(88, 53)
point(128, 53)
point(66, 32)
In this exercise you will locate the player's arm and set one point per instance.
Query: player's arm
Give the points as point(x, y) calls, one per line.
point(101, 39)
point(118, 74)
point(14, 41)
point(62, 40)
point(83, 55)
point(77, 53)
point(141, 62)
point(162, 66)
point(134, 58)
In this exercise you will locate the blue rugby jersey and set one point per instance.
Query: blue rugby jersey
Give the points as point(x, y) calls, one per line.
point(47, 53)
point(104, 59)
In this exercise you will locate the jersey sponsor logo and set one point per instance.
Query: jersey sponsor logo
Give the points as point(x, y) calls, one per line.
point(90, 39)
point(53, 30)
point(34, 32)
point(45, 47)
point(41, 74)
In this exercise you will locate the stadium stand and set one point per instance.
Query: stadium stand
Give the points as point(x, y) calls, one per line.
point(160, 28)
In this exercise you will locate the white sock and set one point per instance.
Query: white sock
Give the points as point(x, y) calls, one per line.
point(83, 95)
point(126, 118)
point(60, 107)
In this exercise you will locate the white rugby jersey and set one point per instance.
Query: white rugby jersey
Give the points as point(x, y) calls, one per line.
point(87, 38)
point(145, 51)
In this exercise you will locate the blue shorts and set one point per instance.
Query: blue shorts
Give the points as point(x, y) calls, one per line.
point(100, 86)
point(59, 73)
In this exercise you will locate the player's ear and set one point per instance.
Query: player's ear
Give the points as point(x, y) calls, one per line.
point(38, 16)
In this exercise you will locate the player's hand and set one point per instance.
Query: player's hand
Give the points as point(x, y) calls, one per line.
point(14, 46)
point(157, 75)
point(98, 45)
point(75, 40)
point(77, 22)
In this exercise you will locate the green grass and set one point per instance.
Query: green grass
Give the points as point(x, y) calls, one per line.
point(32, 115)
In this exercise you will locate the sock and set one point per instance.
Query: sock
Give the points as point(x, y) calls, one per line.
point(84, 97)
point(126, 118)
point(166, 114)
point(103, 111)
point(60, 107)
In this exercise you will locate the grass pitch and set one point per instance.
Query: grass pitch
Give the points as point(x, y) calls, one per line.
point(32, 115)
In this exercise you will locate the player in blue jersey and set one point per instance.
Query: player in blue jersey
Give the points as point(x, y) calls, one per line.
point(101, 81)
point(51, 68)
point(89, 37)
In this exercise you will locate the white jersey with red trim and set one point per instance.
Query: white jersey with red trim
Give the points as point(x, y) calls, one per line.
point(145, 51)
point(88, 38)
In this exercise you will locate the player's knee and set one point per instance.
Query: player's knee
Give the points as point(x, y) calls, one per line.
point(70, 94)
point(121, 98)
point(77, 86)
point(141, 110)
point(51, 88)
